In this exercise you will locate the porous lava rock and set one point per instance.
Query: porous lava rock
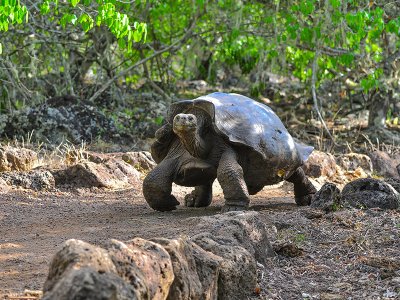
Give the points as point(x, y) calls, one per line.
point(60, 119)
point(17, 159)
point(238, 228)
point(208, 265)
point(186, 284)
point(320, 164)
point(113, 174)
point(370, 193)
point(352, 161)
point(327, 198)
point(384, 165)
point(37, 180)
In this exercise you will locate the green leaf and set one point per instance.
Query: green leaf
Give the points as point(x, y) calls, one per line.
point(74, 2)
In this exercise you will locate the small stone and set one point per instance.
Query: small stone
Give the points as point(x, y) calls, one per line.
point(327, 198)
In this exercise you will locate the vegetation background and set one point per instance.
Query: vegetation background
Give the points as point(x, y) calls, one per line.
point(327, 60)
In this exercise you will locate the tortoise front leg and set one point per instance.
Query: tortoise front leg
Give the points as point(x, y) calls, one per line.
point(304, 190)
point(157, 186)
point(230, 177)
point(200, 197)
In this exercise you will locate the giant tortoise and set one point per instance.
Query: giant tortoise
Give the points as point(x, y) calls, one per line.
point(230, 137)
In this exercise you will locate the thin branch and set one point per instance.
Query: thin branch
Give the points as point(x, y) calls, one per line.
point(142, 61)
point(314, 95)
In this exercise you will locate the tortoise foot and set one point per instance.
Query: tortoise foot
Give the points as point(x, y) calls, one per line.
point(304, 200)
point(228, 207)
point(200, 197)
point(166, 205)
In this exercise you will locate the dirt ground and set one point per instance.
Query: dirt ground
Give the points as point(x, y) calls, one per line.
point(348, 254)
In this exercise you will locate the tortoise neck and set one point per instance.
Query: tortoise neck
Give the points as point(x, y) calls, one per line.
point(193, 143)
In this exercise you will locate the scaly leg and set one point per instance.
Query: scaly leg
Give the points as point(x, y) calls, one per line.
point(157, 186)
point(230, 176)
point(304, 190)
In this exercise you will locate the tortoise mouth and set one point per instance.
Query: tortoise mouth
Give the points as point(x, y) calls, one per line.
point(184, 127)
point(184, 123)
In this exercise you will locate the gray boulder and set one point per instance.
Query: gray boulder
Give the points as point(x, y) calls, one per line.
point(370, 193)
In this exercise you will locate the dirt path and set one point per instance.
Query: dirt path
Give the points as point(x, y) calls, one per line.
point(337, 257)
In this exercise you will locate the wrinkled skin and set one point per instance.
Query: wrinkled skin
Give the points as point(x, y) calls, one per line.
point(197, 156)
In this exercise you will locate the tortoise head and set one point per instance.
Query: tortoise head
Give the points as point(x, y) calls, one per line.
point(184, 123)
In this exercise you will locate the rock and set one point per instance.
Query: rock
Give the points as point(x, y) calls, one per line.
point(127, 269)
point(154, 262)
point(369, 192)
point(17, 159)
point(327, 198)
point(384, 165)
point(111, 174)
point(4, 187)
point(36, 179)
point(141, 160)
point(186, 284)
point(89, 284)
point(208, 266)
point(352, 161)
point(60, 119)
point(320, 164)
point(394, 182)
point(239, 228)
point(237, 276)
point(75, 255)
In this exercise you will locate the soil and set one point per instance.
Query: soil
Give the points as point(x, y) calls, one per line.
point(347, 254)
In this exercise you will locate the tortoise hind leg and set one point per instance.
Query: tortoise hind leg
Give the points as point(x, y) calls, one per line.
point(230, 177)
point(157, 186)
point(304, 190)
point(200, 197)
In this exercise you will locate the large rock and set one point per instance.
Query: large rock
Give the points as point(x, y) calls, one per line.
point(17, 159)
point(76, 254)
point(83, 271)
point(238, 271)
point(60, 119)
point(186, 285)
point(239, 228)
point(327, 198)
point(127, 269)
point(320, 164)
point(89, 284)
point(208, 266)
point(154, 262)
point(353, 161)
point(36, 179)
point(112, 174)
point(369, 193)
point(384, 165)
